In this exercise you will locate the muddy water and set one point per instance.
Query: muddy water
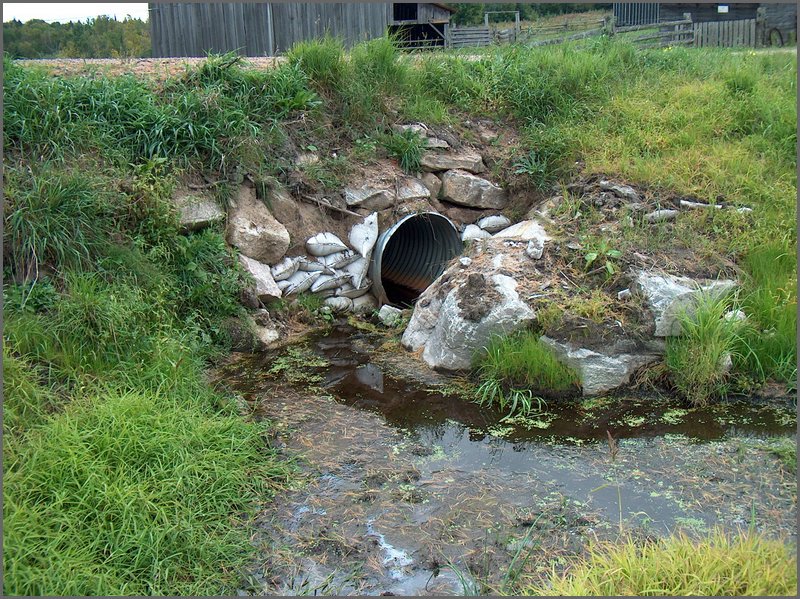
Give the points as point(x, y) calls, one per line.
point(413, 491)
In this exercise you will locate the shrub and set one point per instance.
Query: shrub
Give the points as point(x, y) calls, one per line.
point(719, 565)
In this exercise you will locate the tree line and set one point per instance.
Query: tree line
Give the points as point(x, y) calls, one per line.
point(103, 37)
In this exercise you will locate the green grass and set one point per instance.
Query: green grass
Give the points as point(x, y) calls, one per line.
point(134, 494)
point(696, 360)
point(713, 566)
point(516, 369)
point(111, 314)
point(407, 146)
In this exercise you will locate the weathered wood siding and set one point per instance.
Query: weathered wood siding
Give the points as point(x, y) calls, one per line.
point(704, 13)
point(259, 29)
point(353, 22)
point(725, 34)
point(635, 13)
point(195, 29)
point(782, 17)
point(427, 13)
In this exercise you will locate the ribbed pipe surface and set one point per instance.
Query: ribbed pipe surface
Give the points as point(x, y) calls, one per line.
point(409, 256)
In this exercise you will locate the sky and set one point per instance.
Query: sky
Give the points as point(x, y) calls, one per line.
point(64, 12)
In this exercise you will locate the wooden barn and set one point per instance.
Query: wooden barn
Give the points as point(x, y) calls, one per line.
point(771, 23)
point(271, 28)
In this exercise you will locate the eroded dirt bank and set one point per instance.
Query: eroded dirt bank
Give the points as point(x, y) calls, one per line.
point(404, 480)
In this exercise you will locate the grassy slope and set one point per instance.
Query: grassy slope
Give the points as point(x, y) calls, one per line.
point(104, 353)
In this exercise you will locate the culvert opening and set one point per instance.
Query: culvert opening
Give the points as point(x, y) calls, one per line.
point(410, 255)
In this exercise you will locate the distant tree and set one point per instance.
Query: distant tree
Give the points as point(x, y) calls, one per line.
point(103, 37)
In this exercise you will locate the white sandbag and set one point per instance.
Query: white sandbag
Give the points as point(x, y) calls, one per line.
point(285, 268)
point(364, 235)
point(365, 304)
point(330, 281)
point(358, 272)
point(301, 281)
point(493, 224)
point(324, 244)
point(307, 265)
point(283, 284)
point(326, 293)
point(339, 304)
point(347, 290)
point(340, 259)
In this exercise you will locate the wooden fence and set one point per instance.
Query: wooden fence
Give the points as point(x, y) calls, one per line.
point(726, 34)
point(468, 36)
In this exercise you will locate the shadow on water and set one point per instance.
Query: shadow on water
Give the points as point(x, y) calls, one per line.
point(357, 381)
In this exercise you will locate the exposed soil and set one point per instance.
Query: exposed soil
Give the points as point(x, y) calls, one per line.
point(404, 479)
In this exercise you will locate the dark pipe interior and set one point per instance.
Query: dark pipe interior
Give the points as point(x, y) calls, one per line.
point(415, 254)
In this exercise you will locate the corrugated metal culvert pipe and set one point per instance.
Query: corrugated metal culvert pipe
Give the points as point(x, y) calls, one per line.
point(410, 254)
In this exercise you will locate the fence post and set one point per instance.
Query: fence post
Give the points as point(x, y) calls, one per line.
point(761, 18)
point(516, 26)
point(486, 19)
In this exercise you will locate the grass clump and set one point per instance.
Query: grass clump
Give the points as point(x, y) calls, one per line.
point(700, 359)
point(717, 565)
point(516, 369)
point(407, 146)
point(131, 494)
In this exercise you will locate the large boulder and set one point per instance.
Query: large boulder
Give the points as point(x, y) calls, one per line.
point(457, 316)
point(196, 210)
point(599, 372)
point(467, 160)
point(253, 230)
point(465, 189)
point(265, 287)
point(669, 296)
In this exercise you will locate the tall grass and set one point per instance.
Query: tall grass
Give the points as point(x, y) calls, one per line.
point(719, 565)
point(700, 359)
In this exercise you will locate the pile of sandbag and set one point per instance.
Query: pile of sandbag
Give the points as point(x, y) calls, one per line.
point(332, 269)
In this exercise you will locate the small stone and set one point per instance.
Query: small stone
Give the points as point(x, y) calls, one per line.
point(433, 183)
point(465, 261)
point(744, 210)
point(535, 248)
point(307, 159)
point(694, 205)
point(625, 192)
point(390, 316)
point(494, 224)
point(660, 216)
point(737, 315)
point(624, 294)
point(434, 143)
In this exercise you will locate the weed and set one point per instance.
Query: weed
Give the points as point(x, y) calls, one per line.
point(407, 146)
point(601, 256)
point(716, 565)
